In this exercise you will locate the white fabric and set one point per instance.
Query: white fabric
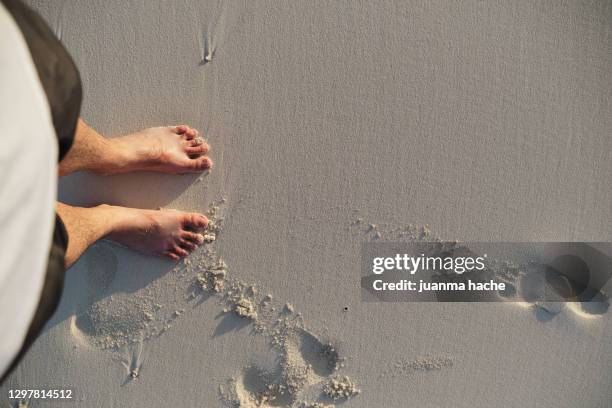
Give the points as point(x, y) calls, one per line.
point(28, 184)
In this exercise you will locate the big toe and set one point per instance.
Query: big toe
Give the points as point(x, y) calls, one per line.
point(201, 163)
point(195, 221)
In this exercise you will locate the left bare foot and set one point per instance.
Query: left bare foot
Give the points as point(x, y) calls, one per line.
point(169, 233)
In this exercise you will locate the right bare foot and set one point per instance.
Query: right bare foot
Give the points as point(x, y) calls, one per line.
point(169, 233)
point(166, 149)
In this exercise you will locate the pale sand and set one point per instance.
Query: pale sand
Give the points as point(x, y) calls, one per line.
point(485, 121)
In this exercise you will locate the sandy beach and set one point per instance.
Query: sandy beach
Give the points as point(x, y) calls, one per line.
point(335, 123)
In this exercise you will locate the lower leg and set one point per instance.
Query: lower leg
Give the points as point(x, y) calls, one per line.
point(84, 227)
point(169, 233)
point(90, 151)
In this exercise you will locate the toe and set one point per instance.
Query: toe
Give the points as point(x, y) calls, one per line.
point(197, 239)
point(180, 251)
point(181, 129)
point(200, 164)
point(197, 141)
point(171, 255)
point(195, 221)
point(187, 132)
point(187, 245)
point(191, 133)
point(201, 149)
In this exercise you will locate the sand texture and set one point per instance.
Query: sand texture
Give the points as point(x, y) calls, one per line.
point(333, 123)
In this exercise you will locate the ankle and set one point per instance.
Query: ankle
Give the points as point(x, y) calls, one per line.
point(130, 155)
point(110, 218)
point(121, 220)
point(119, 158)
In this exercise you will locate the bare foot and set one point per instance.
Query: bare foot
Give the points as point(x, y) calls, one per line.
point(167, 149)
point(169, 233)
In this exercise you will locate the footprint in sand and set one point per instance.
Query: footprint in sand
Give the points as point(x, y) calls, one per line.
point(578, 281)
point(598, 305)
point(101, 269)
point(303, 361)
point(552, 288)
point(258, 387)
point(322, 357)
point(106, 321)
point(535, 289)
point(566, 283)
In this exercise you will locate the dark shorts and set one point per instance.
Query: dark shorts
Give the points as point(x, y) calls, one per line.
point(62, 85)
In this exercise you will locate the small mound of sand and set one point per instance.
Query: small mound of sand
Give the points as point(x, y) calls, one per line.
point(208, 238)
point(213, 277)
point(245, 308)
point(340, 388)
